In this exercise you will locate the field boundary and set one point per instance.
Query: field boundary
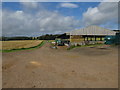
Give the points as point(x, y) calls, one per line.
point(11, 50)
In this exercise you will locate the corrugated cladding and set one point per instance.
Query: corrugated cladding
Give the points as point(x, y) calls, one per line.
point(92, 30)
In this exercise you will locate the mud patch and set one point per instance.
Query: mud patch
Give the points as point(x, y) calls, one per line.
point(8, 65)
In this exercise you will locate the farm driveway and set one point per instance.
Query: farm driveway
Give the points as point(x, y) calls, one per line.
point(58, 68)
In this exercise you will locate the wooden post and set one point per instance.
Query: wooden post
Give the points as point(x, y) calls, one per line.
point(100, 38)
point(87, 38)
point(95, 38)
point(84, 38)
point(90, 38)
point(70, 38)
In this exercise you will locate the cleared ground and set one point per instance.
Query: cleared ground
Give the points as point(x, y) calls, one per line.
point(8, 45)
point(84, 67)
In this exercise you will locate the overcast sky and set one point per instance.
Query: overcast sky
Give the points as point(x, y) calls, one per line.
point(35, 19)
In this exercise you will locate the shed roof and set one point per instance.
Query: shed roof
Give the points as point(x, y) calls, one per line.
point(92, 30)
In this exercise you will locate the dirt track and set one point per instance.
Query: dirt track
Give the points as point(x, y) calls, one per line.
point(58, 68)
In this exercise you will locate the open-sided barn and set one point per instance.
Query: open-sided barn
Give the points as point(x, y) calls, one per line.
point(90, 33)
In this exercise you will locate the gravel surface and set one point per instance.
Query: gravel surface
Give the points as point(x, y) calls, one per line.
point(46, 67)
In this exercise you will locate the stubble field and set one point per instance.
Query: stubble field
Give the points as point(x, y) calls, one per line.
point(8, 45)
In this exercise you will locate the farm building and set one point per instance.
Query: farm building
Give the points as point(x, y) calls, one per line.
point(90, 33)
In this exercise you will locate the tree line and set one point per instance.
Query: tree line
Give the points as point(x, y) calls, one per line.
point(43, 37)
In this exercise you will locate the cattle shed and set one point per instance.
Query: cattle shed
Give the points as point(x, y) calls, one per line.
point(90, 33)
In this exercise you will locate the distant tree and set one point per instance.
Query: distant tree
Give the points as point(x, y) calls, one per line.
point(48, 37)
point(15, 38)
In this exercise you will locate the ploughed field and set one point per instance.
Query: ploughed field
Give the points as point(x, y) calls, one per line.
point(46, 67)
point(8, 45)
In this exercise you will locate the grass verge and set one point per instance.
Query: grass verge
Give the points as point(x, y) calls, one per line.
point(11, 50)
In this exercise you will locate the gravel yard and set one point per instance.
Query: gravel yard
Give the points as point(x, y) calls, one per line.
point(45, 67)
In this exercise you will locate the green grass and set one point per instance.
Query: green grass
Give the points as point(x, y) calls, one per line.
point(39, 45)
point(51, 40)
